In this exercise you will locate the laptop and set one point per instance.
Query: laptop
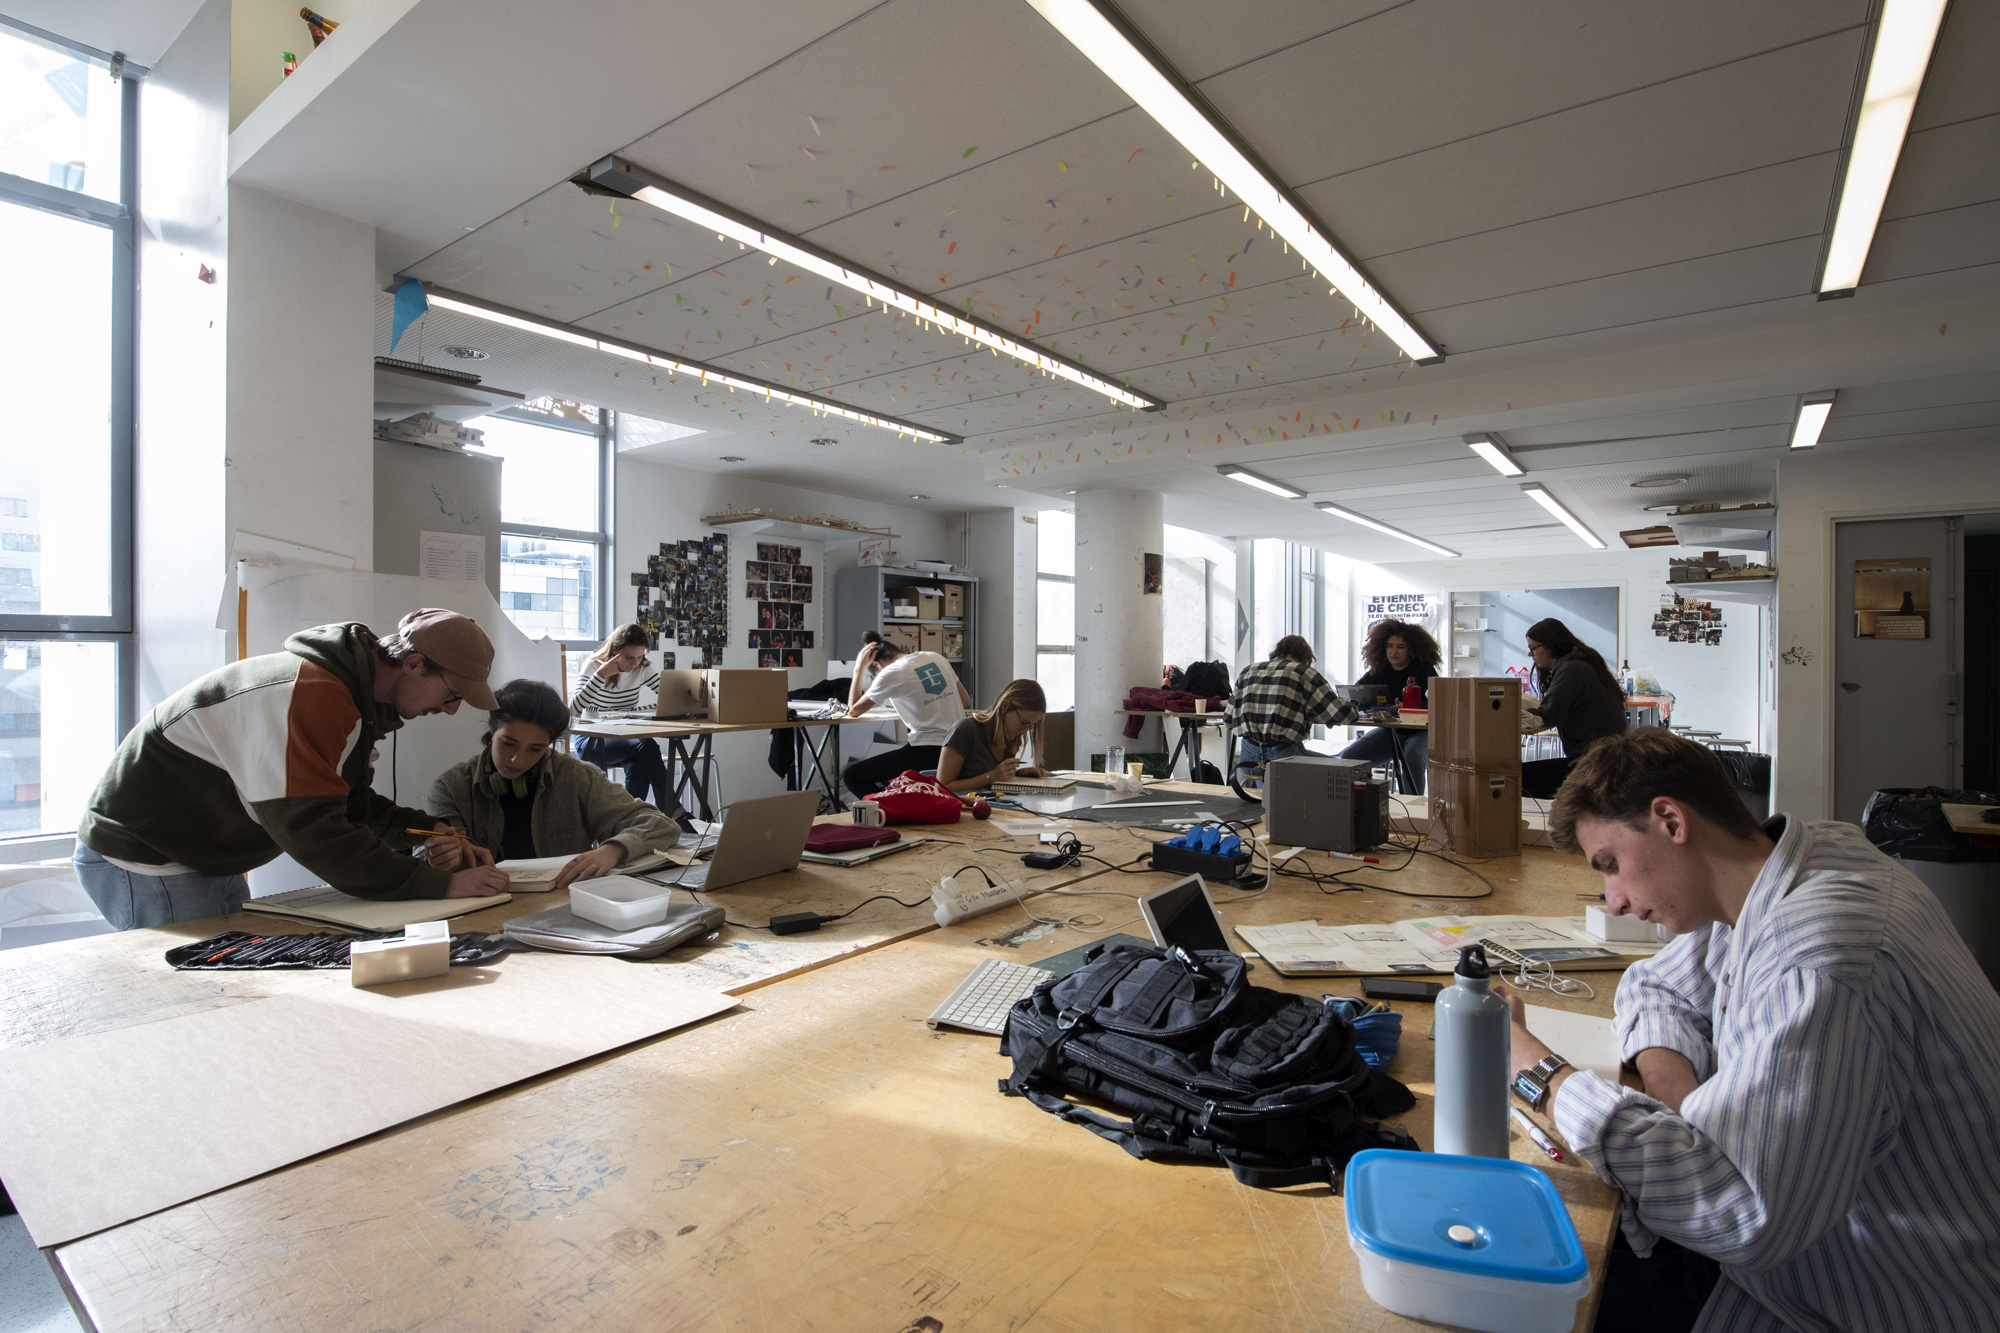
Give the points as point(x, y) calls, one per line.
point(1183, 914)
point(1370, 696)
point(765, 835)
point(857, 856)
point(681, 695)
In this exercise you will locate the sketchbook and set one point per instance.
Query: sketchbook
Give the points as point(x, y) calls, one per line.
point(537, 874)
point(330, 907)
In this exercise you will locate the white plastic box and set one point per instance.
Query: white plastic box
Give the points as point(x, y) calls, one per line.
point(620, 902)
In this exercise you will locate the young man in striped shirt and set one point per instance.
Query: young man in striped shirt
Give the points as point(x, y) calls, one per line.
point(1821, 1056)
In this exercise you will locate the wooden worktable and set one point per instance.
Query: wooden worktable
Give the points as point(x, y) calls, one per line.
point(816, 1159)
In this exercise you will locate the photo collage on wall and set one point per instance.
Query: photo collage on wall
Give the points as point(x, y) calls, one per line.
point(781, 584)
point(1687, 620)
point(684, 597)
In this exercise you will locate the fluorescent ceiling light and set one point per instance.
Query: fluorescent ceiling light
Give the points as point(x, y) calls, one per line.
point(1383, 528)
point(1813, 410)
point(631, 181)
point(660, 360)
point(1166, 100)
point(1904, 36)
point(1495, 453)
point(1262, 483)
point(1540, 495)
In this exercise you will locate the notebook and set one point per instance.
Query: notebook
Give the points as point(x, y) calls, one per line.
point(331, 907)
point(537, 874)
point(1038, 786)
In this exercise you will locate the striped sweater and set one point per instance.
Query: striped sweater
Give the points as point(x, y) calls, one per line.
point(271, 754)
point(620, 694)
point(1841, 1158)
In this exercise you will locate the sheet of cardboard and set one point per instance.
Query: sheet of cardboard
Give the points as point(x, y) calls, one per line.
point(98, 1130)
point(330, 906)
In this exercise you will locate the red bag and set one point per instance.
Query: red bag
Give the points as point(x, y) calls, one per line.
point(825, 838)
point(913, 798)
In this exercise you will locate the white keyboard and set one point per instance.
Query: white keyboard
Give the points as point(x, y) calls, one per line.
point(981, 1002)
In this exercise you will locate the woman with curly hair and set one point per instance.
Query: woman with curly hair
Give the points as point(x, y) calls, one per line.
point(1395, 654)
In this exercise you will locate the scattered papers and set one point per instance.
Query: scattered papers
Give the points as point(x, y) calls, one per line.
point(1430, 944)
point(1584, 1040)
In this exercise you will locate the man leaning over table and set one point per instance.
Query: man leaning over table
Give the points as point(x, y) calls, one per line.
point(1822, 1062)
point(271, 755)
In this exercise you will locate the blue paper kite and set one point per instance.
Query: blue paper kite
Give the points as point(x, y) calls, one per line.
point(411, 306)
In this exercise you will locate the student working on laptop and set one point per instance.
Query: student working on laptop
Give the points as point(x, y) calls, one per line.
point(1395, 654)
point(927, 696)
point(620, 678)
point(984, 747)
point(1278, 701)
point(520, 798)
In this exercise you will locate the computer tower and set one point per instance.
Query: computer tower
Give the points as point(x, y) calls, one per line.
point(1331, 804)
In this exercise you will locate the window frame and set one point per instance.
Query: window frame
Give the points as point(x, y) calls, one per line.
point(1058, 649)
point(604, 431)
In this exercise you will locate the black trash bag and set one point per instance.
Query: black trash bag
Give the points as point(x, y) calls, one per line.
point(1909, 823)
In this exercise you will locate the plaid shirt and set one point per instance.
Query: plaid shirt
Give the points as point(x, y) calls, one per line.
point(1281, 700)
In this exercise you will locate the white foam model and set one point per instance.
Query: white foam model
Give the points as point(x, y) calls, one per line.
point(424, 951)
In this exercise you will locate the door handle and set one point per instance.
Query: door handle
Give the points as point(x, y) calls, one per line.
point(1850, 686)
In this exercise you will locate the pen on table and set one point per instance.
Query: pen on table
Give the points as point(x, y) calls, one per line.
point(437, 833)
point(1591, 897)
point(1542, 1141)
point(1350, 856)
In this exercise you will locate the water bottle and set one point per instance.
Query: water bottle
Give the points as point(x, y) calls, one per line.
point(1413, 695)
point(1114, 759)
point(1471, 1027)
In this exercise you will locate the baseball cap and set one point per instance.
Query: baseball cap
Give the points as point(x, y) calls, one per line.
point(455, 645)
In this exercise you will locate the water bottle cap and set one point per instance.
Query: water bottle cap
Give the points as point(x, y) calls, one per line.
point(1472, 963)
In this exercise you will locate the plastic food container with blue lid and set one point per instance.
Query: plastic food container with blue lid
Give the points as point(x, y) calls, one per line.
point(1478, 1242)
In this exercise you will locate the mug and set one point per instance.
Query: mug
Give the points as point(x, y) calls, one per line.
point(867, 812)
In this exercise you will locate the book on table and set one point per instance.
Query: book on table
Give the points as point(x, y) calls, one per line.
point(1036, 786)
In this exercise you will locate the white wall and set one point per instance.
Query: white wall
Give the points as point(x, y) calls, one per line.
point(1220, 553)
point(181, 522)
point(1816, 489)
point(657, 502)
point(1000, 547)
point(1714, 687)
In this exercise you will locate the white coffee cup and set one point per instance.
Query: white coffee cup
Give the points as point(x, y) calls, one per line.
point(1135, 770)
point(1201, 705)
point(867, 812)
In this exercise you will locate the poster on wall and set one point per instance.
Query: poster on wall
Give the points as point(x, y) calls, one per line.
point(1687, 620)
point(1892, 597)
point(1155, 576)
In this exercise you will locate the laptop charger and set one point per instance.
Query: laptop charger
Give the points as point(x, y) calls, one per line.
point(797, 923)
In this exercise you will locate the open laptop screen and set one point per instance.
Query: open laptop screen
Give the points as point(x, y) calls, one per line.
point(1182, 914)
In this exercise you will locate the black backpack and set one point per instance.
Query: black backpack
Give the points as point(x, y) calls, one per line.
point(1207, 680)
point(1208, 1066)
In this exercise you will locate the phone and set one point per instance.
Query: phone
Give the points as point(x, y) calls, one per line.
point(1393, 988)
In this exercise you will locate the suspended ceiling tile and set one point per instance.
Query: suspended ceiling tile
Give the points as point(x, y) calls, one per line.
point(1959, 85)
point(1903, 395)
point(1436, 71)
point(1958, 238)
point(1730, 213)
point(1715, 282)
point(926, 90)
point(1617, 427)
point(1785, 104)
point(1947, 167)
point(1200, 40)
point(1912, 421)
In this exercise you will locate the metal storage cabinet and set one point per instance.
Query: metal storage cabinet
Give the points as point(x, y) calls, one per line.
point(859, 605)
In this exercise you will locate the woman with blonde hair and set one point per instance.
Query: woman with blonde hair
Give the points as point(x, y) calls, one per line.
point(983, 748)
point(619, 678)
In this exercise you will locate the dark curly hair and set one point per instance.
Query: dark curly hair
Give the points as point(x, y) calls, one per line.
point(529, 701)
point(1423, 648)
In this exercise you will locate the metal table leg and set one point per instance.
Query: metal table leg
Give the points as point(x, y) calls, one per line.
point(812, 759)
point(1404, 782)
point(694, 769)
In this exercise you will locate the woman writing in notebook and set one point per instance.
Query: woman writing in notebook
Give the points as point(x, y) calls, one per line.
point(619, 678)
point(521, 798)
point(984, 747)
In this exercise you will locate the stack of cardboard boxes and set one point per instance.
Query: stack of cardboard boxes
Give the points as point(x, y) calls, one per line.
point(1474, 780)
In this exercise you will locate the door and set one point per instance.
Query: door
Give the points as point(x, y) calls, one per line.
point(1895, 705)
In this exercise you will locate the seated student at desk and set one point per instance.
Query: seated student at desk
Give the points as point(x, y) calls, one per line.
point(927, 696)
point(983, 748)
point(1277, 701)
point(519, 798)
point(1397, 653)
point(620, 678)
point(271, 755)
point(1821, 1056)
point(1580, 698)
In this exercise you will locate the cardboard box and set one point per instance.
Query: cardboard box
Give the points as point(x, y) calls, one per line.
point(930, 602)
point(1475, 812)
point(930, 638)
point(904, 610)
point(903, 636)
point(745, 694)
point(954, 645)
point(954, 601)
point(1476, 722)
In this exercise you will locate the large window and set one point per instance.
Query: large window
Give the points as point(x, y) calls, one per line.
point(66, 675)
point(555, 525)
point(1055, 606)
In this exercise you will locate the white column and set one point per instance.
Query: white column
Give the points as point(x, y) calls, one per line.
point(1117, 624)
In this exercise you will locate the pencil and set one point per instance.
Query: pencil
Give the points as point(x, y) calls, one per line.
point(437, 833)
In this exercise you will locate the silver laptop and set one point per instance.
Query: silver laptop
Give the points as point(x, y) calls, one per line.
point(1184, 914)
point(680, 695)
point(765, 835)
point(863, 855)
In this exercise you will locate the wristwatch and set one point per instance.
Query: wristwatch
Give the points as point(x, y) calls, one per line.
point(1532, 1084)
